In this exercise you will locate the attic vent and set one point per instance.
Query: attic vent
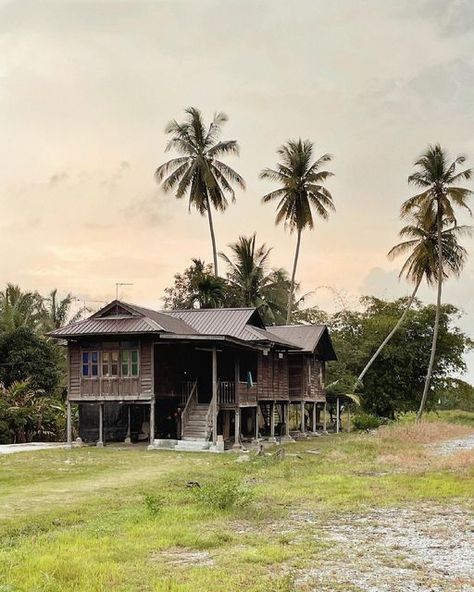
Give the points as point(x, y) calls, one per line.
point(116, 311)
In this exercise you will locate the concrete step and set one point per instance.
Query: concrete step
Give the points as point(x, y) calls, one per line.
point(193, 445)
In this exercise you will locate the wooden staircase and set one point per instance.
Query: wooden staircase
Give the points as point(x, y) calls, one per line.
point(197, 425)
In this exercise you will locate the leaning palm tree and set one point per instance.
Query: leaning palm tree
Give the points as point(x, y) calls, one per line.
point(438, 180)
point(422, 263)
point(198, 172)
point(301, 193)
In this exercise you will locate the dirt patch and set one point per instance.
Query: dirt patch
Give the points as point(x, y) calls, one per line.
point(424, 549)
point(184, 557)
point(424, 432)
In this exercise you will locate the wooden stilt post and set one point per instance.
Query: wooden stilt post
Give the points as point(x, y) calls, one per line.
point(257, 421)
point(324, 416)
point(237, 428)
point(69, 424)
point(100, 442)
point(128, 437)
point(214, 395)
point(152, 421)
point(337, 415)
point(286, 418)
point(302, 426)
point(313, 423)
point(272, 420)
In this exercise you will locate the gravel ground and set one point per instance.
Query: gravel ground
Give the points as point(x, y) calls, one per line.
point(423, 549)
point(453, 446)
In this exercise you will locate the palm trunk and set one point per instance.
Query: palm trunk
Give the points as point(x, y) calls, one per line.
point(292, 283)
point(429, 374)
point(390, 335)
point(213, 237)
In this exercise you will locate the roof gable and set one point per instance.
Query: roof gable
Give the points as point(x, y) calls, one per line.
point(310, 338)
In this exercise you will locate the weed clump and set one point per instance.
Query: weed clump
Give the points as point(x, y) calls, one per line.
point(224, 495)
point(366, 421)
point(153, 503)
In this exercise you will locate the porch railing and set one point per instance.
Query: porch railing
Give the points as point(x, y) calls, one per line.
point(189, 406)
point(226, 393)
point(211, 415)
point(186, 389)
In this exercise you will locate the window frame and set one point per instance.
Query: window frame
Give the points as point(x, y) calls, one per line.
point(87, 361)
point(128, 358)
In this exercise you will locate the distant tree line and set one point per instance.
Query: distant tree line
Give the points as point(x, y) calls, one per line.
point(32, 366)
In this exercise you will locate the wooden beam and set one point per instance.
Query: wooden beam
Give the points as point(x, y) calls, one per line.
point(324, 416)
point(69, 424)
point(313, 423)
point(257, 421)
point(152, 422)
point(237, 429)
point(302, 423)
point(128, 437)
point(100, 441)
point(214, 395)
point(272, 419)
point(286, 416)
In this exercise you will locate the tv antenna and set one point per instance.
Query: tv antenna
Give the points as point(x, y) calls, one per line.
point(118, 285)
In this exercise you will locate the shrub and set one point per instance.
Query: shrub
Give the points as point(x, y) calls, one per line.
point(367, 421)
point(224, 496)
point(154, 503)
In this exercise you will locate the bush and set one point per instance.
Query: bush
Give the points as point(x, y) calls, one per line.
point(367, 421)
point(154, 503)
point(224, 496)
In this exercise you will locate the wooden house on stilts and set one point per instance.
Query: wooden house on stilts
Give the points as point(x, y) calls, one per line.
point(192, 379)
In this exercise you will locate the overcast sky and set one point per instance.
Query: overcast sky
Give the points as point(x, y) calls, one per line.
point(86, 88)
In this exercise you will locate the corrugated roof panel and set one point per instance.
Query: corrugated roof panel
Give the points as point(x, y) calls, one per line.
point(95, 326)
point(216, 321)
point(305, 336)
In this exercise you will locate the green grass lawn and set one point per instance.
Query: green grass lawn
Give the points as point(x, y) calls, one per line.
point(124, 519)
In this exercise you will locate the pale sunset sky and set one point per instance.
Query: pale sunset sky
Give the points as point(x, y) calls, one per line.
point(87, 87)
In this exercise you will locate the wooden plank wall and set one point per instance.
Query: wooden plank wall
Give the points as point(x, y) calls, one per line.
point(146, 367)
point(74, 369)
point(272, 379)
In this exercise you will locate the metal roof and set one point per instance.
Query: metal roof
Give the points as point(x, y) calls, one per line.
point(234, 322)
point(307, 337)
point(94, 326)
point(125, 318)
point(243, 324)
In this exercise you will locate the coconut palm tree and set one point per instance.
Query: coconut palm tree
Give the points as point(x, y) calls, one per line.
point(422, 263)
point(438, 179)
point(20, 309)
point(198, 172)
point(57, 311)
point(301, 195)
point(210, 292)
point(252, 283)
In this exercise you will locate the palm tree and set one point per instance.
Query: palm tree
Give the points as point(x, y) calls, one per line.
point(58, 311)
point(250, 281)
point(198, 172)
point(422, 262)
point(210, 292)
point(301, 193)
point(438, 179)
point(20, 309)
